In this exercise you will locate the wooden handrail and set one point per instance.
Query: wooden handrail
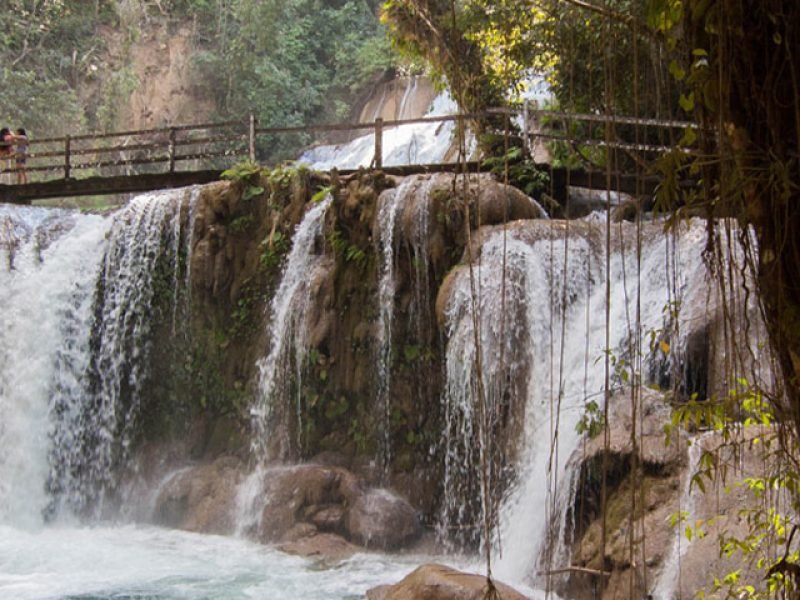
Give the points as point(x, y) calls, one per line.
point(164, 143)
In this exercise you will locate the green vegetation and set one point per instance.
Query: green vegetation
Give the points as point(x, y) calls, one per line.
point(68, 64)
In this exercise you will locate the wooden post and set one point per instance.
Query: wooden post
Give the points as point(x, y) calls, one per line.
point(67, 144)
point(172, 134)
point(378, 160)
point(252, 136)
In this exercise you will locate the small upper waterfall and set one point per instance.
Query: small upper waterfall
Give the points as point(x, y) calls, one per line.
point(407, 144)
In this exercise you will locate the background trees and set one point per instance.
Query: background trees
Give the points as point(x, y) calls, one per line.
point(289, 62)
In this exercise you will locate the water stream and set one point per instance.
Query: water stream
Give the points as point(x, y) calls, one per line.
point(286, 357)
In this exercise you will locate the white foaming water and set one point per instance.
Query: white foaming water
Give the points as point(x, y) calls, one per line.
point(547, 298)
point(522, 524)
point(289, 324)
point(46, 301)
point(409, 144)
point(107, 563)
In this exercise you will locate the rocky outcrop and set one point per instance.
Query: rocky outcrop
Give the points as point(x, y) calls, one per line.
point(438, 582)
point(649, 486)
point(307, 509)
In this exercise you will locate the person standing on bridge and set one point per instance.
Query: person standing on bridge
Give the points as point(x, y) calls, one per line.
point(21, 139)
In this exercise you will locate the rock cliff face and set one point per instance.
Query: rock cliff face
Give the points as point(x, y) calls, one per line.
point(329, 411)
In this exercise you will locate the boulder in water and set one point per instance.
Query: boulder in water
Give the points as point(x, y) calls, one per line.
point(438, 582)
point(200, 498)
point(300, 492)
point(378, 518)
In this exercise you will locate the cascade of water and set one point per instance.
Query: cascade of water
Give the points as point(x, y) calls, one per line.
point(288, 321)
point(94, 426)
point(515, 307)
point(524, 312)
point(415, 143)
point(420, 307)
point(44, 326)
point(523, 523)
point(390, 205)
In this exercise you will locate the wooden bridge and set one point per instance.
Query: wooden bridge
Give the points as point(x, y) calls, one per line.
point(149, 159)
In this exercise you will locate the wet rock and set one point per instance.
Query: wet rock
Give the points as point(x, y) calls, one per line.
point(438, 582)
point(498, 203)
point(200, 498)
point(652, 413)
point(380, 519)
point(326, 545)
point(288, 491)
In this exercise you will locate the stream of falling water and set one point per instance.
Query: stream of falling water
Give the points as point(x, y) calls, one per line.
point(285, 360)
point(541, 323)
point(288, 331)
point(95, 421)
point(48, 270)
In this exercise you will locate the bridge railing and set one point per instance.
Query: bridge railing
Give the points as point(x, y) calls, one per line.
point(220, 143)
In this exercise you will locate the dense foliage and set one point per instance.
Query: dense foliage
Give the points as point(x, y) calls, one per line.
point(290, 62)
point(46, 48)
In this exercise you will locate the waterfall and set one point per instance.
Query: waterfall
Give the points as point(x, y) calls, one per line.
point(411, 143)
point(95, 422)
point(288, 331)
point(411, 88)
point(404, 207)
point(46, 300)
point(420, 219)
point(539, 297)
point(390, 203)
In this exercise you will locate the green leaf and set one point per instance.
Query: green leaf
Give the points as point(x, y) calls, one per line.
point(687, 102)
point(677, 71)
point(321, 194)
point(252, 191)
